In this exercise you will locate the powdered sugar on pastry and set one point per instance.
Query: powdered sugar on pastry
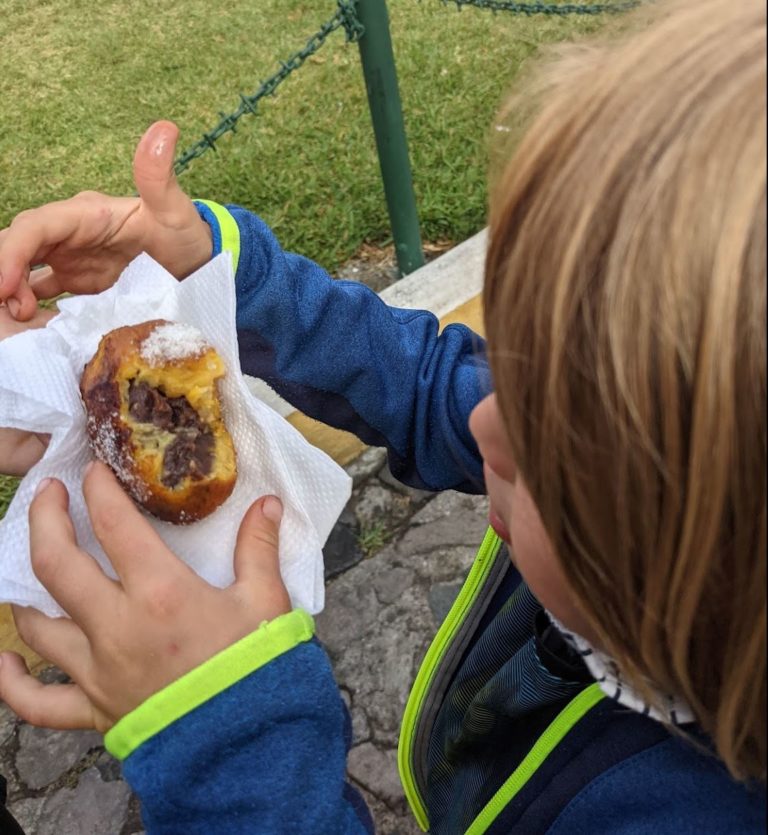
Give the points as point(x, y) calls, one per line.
point(172, 342)
point(108, 449)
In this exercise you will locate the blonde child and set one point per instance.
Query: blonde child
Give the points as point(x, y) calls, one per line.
point(610, 678)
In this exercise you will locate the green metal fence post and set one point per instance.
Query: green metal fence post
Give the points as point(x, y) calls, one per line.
point(387, 116)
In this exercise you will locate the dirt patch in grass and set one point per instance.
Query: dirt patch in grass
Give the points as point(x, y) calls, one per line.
point(376, 266)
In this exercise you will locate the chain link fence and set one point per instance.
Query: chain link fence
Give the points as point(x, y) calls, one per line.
point(560, 9)
point(365, 22)
point(345, 18)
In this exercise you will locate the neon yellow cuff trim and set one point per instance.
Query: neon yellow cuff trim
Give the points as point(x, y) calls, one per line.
point(230, 231)
point(200, 685)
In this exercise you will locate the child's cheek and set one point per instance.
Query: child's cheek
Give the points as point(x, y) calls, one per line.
point(534, 555)
point(537, 563)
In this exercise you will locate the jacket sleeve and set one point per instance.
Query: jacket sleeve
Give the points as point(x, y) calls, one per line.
point(253, 741)
point(338, 353)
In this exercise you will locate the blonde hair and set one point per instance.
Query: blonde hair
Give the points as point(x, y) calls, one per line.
point(625, 306)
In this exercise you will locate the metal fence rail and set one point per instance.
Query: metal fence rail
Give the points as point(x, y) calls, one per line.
point(345, 18)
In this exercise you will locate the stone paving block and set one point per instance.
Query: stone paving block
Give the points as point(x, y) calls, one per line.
point(390, 585)
point(93, 807)
point(376, 504)
point(27, 811)
point(441, 598)
point(109, 768)
point(449, 503)
point(7, 723)
point(14, 789)
point(341, 551)
point(353, 609)
point(133, 824)
point(377, 641)
point(444, 565)
point(376, 769)
point(390, 821)
point(463, 527)
point(390, 673)
point(366, 464)
point(361, 731)
point(45, 755)
point(375, 656)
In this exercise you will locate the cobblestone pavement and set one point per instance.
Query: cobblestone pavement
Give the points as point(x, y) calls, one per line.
point(394, 564)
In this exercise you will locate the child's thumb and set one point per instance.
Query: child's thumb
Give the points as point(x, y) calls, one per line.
point(257, 565)
point(153, 168)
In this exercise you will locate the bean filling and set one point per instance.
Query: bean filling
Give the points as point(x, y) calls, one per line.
point(190, 454)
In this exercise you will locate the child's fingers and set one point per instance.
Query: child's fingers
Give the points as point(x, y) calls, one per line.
point(58, 706)
point(58, 640)
point(44, 283)
point(72, 576)
point(83, 221)
point(23, 303)
point(133, 546)
point(257, 564)
point(30, 236)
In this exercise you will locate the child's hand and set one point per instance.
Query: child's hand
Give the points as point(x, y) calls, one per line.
point(88, 240)
point(19, 451)
point(130, 638)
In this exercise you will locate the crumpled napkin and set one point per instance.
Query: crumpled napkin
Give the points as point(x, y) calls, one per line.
point(39, 377)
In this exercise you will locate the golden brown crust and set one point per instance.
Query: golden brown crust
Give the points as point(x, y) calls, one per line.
point(141, 403)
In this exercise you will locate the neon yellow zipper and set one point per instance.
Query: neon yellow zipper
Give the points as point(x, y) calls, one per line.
point(481, 567)
point(545, 744)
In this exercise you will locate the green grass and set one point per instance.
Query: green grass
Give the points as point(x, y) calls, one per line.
point(79, 83)
point(7, 489)
point(373, 537)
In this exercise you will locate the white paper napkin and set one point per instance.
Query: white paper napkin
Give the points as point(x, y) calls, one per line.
point(39, 377)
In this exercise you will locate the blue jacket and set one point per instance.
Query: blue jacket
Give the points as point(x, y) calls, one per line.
point(255, 740)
